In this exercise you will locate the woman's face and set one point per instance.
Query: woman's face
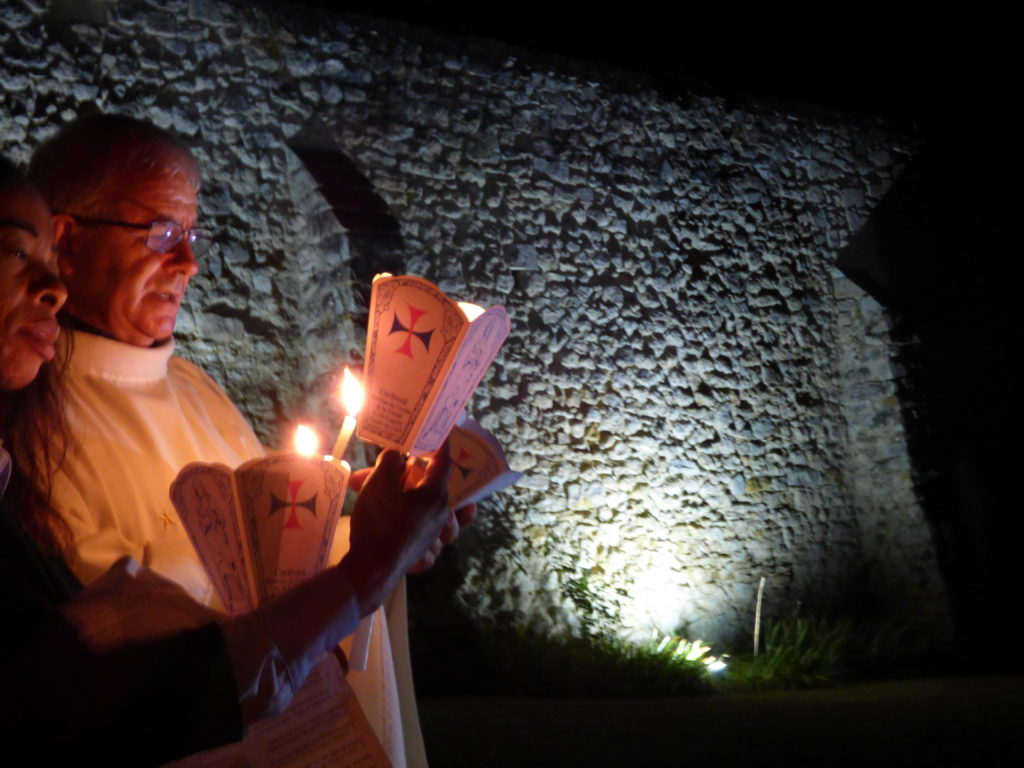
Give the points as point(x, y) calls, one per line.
point(30, 291)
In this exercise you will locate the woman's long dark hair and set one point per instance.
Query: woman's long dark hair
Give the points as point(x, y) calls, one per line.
point(35, 434)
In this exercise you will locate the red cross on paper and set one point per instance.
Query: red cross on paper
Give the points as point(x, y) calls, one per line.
point(460, 462)
point(293, 503)
point(397, 326)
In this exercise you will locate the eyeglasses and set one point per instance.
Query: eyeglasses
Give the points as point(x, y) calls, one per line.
point(163, 237)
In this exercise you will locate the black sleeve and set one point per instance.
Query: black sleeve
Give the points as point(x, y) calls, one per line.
point(141, 704)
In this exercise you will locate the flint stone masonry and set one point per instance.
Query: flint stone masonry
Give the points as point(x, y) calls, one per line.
point(696, 398)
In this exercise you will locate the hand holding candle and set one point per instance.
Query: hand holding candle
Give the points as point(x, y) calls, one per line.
point(460, 518)
point(403, 521)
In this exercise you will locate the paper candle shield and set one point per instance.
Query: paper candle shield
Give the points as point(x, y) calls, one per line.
point(262, 527)
point(425, 354)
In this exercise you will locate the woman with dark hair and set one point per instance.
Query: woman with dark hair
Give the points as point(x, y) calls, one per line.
point(155, 700)
point(32, 425)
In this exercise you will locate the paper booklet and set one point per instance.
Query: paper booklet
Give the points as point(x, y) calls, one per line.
point(425, 354)
point(321, 726)
point(479, 467)
point(258, 530)
point(263, 527)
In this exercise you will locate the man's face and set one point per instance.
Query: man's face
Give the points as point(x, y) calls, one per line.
point(116, 283)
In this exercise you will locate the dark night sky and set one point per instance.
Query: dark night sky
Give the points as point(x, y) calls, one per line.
point(924, 69)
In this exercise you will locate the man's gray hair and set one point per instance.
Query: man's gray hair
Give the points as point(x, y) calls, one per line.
point(89, 160)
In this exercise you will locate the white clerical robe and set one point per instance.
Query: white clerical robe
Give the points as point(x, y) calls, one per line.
point(138, 415)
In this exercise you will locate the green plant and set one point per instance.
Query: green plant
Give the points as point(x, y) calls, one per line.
point(808, 652)
point(679, 650)
point(593, 611)
point(797, 653)
point(527, 663)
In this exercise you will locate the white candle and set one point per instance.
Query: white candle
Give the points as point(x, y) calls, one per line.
point(341, 444)
point(352, 396)
point(352, 400)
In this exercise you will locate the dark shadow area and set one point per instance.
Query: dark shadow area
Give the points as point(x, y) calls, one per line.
point(938, 254)
point(969, 721)
point(897, 63)
point(374, 236)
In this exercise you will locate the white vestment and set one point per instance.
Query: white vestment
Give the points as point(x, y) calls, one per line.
point(137, 416)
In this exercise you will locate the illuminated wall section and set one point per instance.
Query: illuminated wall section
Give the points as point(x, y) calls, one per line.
point(698, 399)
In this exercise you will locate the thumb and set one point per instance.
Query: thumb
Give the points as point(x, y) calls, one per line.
point(390, 465)
point(436, 479)
point(357, 479)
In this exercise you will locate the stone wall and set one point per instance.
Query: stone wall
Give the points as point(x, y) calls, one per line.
point(898, 557)
point(674, 382)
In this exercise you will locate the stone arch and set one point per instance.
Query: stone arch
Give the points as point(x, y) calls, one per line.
point(372, 232)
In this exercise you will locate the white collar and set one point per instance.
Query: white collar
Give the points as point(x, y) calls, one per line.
point(94, 355)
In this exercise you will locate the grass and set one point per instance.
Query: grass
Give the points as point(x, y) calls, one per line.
point(811, 652)
point(532, 665)
point(796, 653)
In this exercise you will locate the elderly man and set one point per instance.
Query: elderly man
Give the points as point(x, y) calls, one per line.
point(124, 197)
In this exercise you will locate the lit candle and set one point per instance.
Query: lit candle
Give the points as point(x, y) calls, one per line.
point(352, 399)
point(307, 441)
point(352, 396)
point(471, 311)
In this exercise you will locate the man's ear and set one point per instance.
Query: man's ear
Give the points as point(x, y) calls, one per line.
point(63, 235)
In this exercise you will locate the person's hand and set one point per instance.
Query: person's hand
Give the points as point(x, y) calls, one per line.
point(457, 520)
point(358, 478)
point(398, 517)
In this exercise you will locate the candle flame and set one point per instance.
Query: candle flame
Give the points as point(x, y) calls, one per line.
point(352, 394)
point(471, 311)
point(307, 441)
